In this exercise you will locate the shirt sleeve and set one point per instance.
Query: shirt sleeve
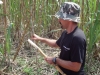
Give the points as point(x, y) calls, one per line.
point(78, 49)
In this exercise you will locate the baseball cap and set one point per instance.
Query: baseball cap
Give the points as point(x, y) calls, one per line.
point(69, 11)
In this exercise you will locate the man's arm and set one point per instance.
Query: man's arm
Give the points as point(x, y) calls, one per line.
point(74, 66)
point(50, 42)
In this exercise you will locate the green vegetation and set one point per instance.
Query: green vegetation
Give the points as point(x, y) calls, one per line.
point(19, 19)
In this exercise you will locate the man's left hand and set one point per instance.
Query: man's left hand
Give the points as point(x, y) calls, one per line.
point(49, 60)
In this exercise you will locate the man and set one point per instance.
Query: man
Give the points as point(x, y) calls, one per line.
point(72, 41)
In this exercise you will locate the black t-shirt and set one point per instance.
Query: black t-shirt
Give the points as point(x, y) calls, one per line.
point(73, 48)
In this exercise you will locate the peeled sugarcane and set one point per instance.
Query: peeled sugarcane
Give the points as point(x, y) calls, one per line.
point(34, 45)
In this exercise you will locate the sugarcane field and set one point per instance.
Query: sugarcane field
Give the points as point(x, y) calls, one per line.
point(23, 54)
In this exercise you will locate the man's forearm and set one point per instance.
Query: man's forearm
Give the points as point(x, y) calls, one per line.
point(50, 42)
point(74, 66)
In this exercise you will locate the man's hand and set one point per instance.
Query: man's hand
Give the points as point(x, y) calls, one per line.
point(36, 37)
point(50, 42)
point(49, 60)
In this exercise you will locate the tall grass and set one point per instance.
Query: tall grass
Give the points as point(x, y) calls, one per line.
point(91, 28)
point(36, 16)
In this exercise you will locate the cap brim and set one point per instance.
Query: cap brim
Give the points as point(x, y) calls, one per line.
point(59, 15)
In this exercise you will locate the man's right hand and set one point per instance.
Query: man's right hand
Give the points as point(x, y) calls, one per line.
point(36, 37)
point(50, 42)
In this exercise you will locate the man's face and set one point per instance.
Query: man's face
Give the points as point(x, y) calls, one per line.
point(64, 23)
